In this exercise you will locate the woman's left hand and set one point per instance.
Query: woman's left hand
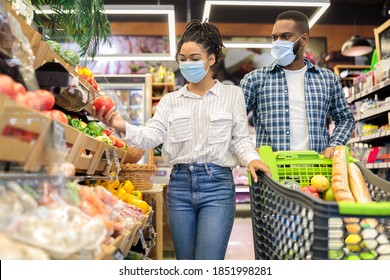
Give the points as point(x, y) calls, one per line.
point(255, 165)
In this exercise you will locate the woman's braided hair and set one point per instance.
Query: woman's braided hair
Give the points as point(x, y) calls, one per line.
point(207, 35)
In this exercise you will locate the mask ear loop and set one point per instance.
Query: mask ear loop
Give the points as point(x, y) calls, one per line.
point(300, 47)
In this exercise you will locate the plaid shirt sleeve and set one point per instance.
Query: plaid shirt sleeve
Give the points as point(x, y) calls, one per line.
point(248, 86)
point(341, 115)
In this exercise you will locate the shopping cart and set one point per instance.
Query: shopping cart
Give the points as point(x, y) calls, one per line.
point(290, 224)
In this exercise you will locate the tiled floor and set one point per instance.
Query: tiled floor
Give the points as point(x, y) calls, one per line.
point(241, 241)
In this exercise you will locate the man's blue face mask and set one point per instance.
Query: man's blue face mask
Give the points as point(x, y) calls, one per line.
point(283, 51)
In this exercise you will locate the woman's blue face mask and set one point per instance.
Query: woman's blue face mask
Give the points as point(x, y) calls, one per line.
point(193, 71)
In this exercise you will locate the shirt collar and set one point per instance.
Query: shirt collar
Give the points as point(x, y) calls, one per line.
point(215, 89)
point(310, 66)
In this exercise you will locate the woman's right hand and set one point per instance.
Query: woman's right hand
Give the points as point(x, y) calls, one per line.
point(111, 119)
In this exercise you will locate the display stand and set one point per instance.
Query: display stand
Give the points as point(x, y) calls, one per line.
point(156, 194)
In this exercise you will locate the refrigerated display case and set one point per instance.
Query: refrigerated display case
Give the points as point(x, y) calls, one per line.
point(132, 94)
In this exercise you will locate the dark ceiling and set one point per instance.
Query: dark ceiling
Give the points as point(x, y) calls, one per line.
point(359, 12)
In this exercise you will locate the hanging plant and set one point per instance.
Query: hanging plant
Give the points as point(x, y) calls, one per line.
point(82, 21)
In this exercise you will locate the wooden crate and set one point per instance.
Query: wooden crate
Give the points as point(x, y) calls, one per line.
point(28, 155)
point(107, 252)
point(102, 164)
point(128, 239)
point(88, 163)
point(144, 221)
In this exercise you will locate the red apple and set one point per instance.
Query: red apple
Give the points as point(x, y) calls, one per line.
point(103, 101)
point(7, 86)
point(46, 99)
point(57, 115)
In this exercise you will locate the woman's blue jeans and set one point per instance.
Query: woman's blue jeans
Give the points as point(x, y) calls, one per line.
point(201, 208)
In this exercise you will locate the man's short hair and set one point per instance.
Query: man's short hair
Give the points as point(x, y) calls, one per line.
point(300, 19)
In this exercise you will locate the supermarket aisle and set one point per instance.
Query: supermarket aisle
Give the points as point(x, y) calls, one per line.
point(241, 241)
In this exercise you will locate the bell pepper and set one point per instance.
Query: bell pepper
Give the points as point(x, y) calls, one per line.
point(141, 204)
point(83, 124)
point(137, 194)
point(127, 186)
point(89, 132)
point(96, 128)
point(76, 124)
point(104, 139)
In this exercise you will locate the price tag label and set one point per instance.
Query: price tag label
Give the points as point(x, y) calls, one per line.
point(116, 162)
point(118, 255)
point(108, 160)
point(59, 142)
point(142, 238)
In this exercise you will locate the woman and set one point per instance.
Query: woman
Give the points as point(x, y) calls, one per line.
point(203, 128)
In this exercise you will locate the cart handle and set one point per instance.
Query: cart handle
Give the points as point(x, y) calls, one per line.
point(370, 209)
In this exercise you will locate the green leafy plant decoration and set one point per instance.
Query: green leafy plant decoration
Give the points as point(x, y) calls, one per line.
point(82, 21)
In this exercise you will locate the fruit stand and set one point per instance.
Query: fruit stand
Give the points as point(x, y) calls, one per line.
point(53, 162)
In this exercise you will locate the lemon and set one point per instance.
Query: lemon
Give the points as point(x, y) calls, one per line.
point(320, 182)
point(352, 241)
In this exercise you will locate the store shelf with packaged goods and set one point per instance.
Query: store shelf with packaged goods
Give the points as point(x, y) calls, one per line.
point(377, 165)
point(375, 89)
point(348, 73)
point(380, 135)
point(373, 113)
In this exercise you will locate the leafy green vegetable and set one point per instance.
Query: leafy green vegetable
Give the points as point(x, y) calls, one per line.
point(55, 46)
point(71, 57)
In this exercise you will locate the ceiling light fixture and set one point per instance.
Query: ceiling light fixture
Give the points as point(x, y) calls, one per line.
point(138, 10)
point(321, 5)
point(356, 46)
point(249, 45)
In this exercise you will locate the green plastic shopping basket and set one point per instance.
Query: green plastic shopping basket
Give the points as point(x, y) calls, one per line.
point(291, 224)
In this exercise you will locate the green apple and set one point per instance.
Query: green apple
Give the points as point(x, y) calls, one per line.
point(335, 254)
point(329, 195)
point(353, 257)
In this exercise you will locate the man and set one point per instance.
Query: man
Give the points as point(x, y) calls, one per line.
point(291, 98)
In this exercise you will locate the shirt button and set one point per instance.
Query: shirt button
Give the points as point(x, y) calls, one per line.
point(286, 110)
point(287, 132)
point(285, 90)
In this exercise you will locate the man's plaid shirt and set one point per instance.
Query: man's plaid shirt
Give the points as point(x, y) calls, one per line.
point(266, 93)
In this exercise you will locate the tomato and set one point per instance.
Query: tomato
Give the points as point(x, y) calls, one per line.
point(7, 86)
point(32, 101)
point(120, 143)
point(312, 189)
point(107, 132)
point(94, 84)
point(57, 115)
point(46, 99)
point(19, 88)
point(105, 101)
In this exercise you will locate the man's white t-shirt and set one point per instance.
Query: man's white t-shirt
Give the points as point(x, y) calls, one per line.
point(299, 129)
